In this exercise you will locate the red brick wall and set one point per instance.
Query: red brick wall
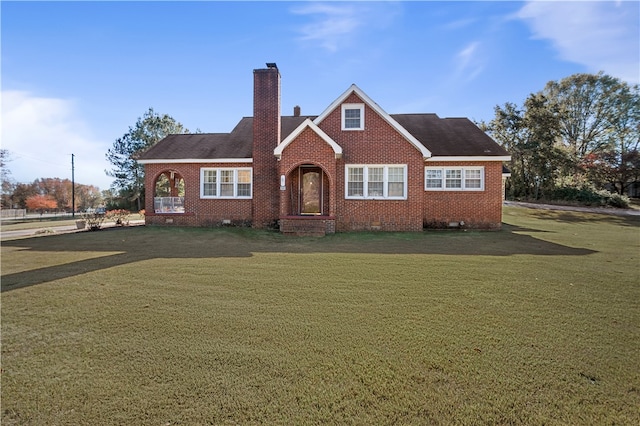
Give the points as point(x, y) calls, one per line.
point(478, 209)
point(198, 212)
point(378, 143)
point(266, 136)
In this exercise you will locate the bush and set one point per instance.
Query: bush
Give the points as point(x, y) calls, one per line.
point(120, 216)
point(93, 220)
point(620, 201)
point(587, 195)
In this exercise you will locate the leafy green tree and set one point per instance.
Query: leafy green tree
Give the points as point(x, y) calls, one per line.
point(127, 172)
point(595, 111)
point(580, 131)
point(8, 185)
point(624, 139)
point(530, 135)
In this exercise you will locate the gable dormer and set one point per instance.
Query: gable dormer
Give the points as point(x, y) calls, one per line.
point(353, 115)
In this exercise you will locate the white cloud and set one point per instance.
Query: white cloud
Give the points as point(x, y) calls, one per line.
point(42, 133)
point(334, 25)
point(469, 62)
point(331, 24)
point(603, 36)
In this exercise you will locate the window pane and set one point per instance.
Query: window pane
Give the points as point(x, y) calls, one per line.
point(226, 190)
point(356, 174)
point(396, 189)
point(355, 185)
point(244, 190)
point(473, 179)
point(375, 186)
point(244, 176)
point(396, 182)
point(352, 118)
point(355, 189)
point(396, 174)
point(375, 189)
point(226, 176)
point(453, 178)
point(434, 178)
point(209, 183)
point(226, 183)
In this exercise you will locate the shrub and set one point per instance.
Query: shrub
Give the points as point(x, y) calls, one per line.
point(120, 216)
point(588, 195)
point(620, 201)
point(94, 220)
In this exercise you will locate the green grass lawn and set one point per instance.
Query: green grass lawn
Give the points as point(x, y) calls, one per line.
point(536, 324)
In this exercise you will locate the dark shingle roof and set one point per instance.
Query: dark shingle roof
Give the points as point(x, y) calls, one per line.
point(237, 144)
point(449, 136)
point(441, 136)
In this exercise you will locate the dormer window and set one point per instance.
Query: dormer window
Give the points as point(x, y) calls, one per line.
point(352, 116)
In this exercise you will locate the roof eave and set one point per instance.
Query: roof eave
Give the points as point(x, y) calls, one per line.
point(194, 160)
point(451, 158)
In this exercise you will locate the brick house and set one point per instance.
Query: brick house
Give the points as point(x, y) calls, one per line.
point(353, 167)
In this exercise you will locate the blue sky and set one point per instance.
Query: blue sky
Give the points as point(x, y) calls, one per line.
point(76, 75)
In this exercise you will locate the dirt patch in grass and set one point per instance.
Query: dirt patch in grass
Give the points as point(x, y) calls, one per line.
point(535, 324)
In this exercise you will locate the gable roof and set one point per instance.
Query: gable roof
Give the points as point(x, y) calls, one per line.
point(438, 139)
point(373, 105)
point(337, 149)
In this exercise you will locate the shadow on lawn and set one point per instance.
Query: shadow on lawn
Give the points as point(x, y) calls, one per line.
point(568, 216)
point(144, 243)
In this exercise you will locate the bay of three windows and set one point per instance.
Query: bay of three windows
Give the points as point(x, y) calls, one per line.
point(225, 183)
point(454, 178)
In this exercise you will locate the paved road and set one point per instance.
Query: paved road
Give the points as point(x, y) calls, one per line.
point(8, 235)
point(601, 210)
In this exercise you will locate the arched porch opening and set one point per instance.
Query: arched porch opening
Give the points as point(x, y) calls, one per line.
point(308, 191)
point(169, 192)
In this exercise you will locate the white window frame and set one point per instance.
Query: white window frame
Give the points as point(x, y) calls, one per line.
point(346, 107)
point(218, 171)
point(365, 182)
point(443, 178)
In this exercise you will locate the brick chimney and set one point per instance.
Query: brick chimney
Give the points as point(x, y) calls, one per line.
point(266, 136)
point(296, 111)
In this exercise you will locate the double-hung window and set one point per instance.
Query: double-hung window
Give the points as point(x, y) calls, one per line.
point(376, 182)
point(454, 178)
point(352, 116)
point(225, 183)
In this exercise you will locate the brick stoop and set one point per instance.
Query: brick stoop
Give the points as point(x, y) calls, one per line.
point(307, 226)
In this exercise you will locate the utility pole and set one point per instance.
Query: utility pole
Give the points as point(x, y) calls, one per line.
point(73, 190)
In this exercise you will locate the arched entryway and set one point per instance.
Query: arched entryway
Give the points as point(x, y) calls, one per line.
point(306, 201)
point(169, 192)
point(308, 191)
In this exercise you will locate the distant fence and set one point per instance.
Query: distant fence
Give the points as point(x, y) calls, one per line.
point(13, 213)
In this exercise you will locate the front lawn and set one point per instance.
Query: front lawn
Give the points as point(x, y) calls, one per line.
point(536, 324)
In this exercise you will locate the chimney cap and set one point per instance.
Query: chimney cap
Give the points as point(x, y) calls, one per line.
point(272, 65)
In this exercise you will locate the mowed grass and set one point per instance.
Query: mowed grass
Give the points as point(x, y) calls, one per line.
point(536, 324)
